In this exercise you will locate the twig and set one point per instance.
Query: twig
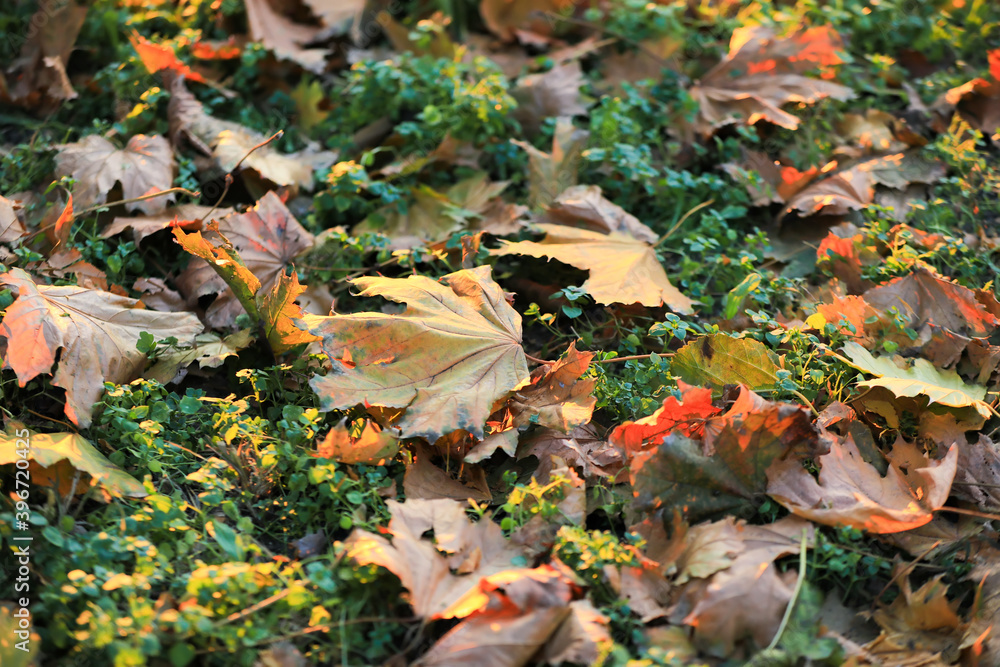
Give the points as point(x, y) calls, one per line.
point(537, 360)
point(266, 602)
point(795, 594)
point(229, 175)
point(906, 570)
point(683, 219)
point(959, 510)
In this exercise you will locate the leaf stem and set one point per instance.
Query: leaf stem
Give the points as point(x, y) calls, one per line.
point(680, 222)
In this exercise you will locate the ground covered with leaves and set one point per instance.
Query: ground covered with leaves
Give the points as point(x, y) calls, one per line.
point(499, 332)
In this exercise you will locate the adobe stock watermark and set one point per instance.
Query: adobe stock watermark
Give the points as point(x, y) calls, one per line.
point(22, 542)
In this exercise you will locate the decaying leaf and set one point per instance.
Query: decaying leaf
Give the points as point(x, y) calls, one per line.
point(447, 359)
point(557, 397)
point(49, 449)
point(209, 350)
point(283, 36)
point(582, 447)
point(508, 18)
point(11, 227)
point(726, 471)
point(232, 144)
point(851, 492)
point(551, 173)
point(189, 217)
point(476, 550)
point(920, 379)
point(763, 72)
point(144, 166)
point(554, 94)
point(94, 334)
point(267, 237)
point(717, 360)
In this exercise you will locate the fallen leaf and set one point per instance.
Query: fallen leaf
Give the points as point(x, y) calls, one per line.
point(850, 492)
point(557, 397)
point(623, 269)
point(718, 359)
point(586, 207)
point(339, 14)
point(549, 174)
point(763, 72)
point(870, 132)
point(283, 36)
point(720, 616)
point(424, 480)
point(49, 449)
point(11, 227)
point(278, 312)
point(505, 18)
point(232, 144)
point(371, 446)
point(158, 56)
point(209, 350)
point(767, 181)
point(920, 379)
point(581, 447)
point(516, 612)
point(309, 98)
point(189, 217)
point(582, 638)
point(447, 359)
point(267, 237)
point(726, 472)
point(93, 333)
point(424, 571)
point(923, 619)
point(38, 75)
point(977, 479)
point(687, 416)
point(144, 166)
point(709, 548)
point(553, 94)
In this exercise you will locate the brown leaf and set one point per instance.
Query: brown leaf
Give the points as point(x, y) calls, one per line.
point(421, 567)
point(770, 75)
point(11, 227)
point(38, 76)
point(709, 548)
point(267, 237)
point(585, 206)
point(505, 18)
point(923, 620)
point(517, 611)
point(94, 334)
point(850, 492)
point(425, 480)
point(554, 94)
point(581, 639)
point(144, 166)
point(557, 397)
point(283, 36)
point(232, 144)
point(582, 448)
point(476, 359)
point(549, 174)
point(189, 217)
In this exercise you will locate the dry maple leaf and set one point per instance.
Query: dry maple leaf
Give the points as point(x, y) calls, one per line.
point(93, 333)
point(923, 619)
point(549, 174)
point(768, 181)
point(851, 492)
point(283, 36)
point(144, 166)
point(721, 616)
point(553, 94)
point(232, 144)
point(447, 359)
point(476, 549)
point(510, 18)
point(763, 72)
point(719, 359)
point(585, 206)
point(37, 78)
point(557, 397)
point(267, 237)
point(686, 415)
point(11, 227)
point(582, 447)
point(518, 613)
point(189, 217)
point(623, 269)
point(432, 216)
point(726, 471)
point(157, 57)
